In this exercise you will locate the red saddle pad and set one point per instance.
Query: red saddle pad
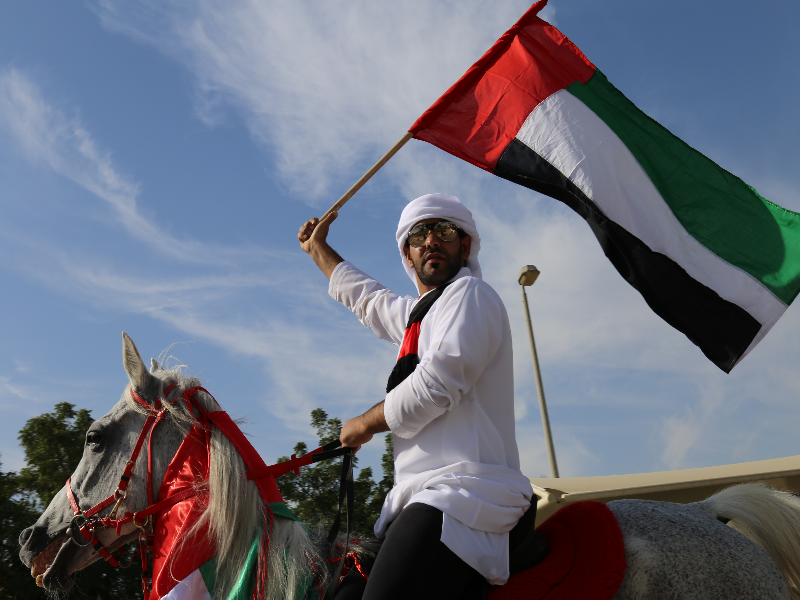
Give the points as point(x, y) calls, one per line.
point(586, 558)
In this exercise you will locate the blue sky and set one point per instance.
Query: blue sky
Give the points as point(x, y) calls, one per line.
point(158, 157)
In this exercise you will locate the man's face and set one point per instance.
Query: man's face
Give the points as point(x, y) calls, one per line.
point(437, 262)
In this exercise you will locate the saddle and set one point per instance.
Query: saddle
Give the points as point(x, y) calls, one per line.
point(585, 558)
point(576, 553)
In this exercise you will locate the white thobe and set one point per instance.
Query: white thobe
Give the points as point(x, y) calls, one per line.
point(453, 418)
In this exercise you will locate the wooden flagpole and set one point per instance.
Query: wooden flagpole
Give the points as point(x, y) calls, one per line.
point(366, 177)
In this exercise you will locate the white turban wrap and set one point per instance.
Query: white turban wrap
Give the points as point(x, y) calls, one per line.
point(438, 206)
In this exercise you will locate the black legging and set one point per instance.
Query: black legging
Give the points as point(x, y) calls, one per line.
point(413, 563)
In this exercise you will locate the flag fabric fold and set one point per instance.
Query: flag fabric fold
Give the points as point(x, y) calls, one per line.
point(708, 254)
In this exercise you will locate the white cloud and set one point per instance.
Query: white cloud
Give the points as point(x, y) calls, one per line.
point(573, 458)
point(207, 304)
point(324, 84)
point(309, 347)
point(12, 393)
point(46, 135)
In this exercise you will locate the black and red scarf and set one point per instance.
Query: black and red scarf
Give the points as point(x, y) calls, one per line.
point(409, 359)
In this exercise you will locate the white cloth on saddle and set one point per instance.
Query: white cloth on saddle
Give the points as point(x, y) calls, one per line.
point(438, 206)
point(453, 418)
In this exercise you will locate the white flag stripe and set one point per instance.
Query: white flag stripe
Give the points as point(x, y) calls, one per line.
point(765, 327)
point(191, 588)
point(571, 137)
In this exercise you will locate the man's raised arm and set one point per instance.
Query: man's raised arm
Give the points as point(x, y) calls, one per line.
point(313, 238)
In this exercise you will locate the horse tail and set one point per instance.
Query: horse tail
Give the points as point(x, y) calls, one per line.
point(768, 517)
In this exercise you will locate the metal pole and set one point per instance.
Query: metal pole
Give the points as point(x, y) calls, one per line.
point(551, 451)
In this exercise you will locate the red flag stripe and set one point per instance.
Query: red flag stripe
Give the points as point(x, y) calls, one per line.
point(530, 62)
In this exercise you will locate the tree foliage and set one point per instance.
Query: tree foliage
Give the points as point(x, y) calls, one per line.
point(16, 513)
point(314, 494)
point(53, 444)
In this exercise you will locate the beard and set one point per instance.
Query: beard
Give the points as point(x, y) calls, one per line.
point(434, 275)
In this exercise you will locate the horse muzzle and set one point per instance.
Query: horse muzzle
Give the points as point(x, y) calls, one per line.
point(48, 558)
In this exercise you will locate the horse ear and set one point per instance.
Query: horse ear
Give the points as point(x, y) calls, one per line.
point(154, 366)
point(134, 365)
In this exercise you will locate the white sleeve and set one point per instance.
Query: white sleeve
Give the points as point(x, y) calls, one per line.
point(376, 306)
point(467, 332)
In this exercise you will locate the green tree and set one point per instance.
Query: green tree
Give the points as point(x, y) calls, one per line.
point(314, 494)
point(16, 513)
point(53, 444)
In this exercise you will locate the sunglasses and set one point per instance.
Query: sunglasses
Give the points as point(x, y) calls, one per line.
point(444, 230)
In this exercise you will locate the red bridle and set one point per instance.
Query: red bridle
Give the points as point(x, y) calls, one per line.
point(88, 522)
point(263, 476)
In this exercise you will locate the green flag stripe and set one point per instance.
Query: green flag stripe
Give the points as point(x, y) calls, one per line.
point(208, 571)
point(242, 590)
point(717, 208)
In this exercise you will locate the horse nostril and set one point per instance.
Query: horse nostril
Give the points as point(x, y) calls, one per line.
point(25, 536)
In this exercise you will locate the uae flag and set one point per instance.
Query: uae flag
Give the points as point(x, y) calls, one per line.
point(711, 257)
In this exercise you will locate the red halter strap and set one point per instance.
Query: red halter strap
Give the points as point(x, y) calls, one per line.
point(87, 521)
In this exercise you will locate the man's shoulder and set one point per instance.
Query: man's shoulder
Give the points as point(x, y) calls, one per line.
point(475, 302)
point(471, 287)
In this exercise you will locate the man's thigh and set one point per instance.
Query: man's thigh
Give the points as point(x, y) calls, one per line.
point(414, 563)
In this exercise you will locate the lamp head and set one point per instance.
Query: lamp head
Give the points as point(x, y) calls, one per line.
point(528, 275)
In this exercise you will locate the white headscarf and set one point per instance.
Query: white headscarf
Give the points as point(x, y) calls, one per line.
point(438, 206)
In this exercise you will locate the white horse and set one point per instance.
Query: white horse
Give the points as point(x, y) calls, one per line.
point(673, 551)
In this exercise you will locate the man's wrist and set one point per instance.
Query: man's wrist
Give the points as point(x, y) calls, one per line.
point(325, 257)
point(374, 421)
point(364, 424)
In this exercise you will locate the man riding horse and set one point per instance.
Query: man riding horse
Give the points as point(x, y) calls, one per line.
point(449, 405)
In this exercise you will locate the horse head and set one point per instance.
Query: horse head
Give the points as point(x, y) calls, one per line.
point(53, 548)
point(161, 466)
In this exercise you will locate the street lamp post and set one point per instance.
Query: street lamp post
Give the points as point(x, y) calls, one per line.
point(527, 276)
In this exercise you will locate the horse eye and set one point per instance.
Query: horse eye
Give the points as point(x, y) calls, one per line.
point(93, 438)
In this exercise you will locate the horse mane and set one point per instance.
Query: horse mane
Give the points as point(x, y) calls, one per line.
point(235, 513)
